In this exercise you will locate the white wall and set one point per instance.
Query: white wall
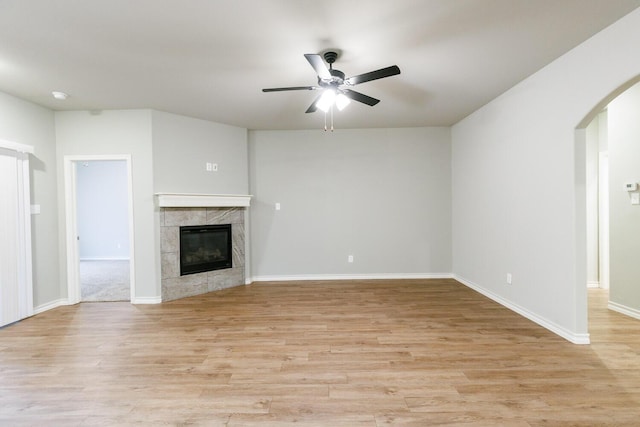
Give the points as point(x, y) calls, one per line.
point(624, 166)
point(102, 209)
point(27, 123)
point(114, 133)
point(381, 195)
point(181, 148)
point(519, 199)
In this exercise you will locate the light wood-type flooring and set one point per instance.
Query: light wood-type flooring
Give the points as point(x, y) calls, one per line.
point(343, 353)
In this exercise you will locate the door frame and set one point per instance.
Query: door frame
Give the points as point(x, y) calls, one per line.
point(603, 219)
point(71, 203)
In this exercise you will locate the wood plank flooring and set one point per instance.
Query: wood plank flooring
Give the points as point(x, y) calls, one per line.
point(352, 353)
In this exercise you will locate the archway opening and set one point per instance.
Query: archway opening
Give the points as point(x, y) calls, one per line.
point(607, 188)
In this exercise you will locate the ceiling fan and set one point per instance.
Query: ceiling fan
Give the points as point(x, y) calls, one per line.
point(334, 85)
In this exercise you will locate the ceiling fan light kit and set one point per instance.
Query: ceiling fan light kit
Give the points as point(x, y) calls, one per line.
point(334, 86)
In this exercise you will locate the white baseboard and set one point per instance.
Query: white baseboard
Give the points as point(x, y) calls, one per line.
point(379, 276)
point(623, 309)
point(63, 301)
point(146, 300)
point(547, 324)
point(50, 305)
point(592, 285)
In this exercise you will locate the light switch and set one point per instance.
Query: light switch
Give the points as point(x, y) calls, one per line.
point(277, 206)
point(35, 209)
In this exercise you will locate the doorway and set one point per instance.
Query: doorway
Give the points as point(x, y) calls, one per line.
point(597, 187)
point(99, 228)
point(618, 269)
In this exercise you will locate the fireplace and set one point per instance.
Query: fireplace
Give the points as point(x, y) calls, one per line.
point(205, 248)
point(200, 213)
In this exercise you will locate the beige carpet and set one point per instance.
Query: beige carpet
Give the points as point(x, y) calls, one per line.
point(104, 281)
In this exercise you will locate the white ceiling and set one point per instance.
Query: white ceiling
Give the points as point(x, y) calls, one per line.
point(210, 59)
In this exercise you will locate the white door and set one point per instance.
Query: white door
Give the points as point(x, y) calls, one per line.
point(16, 285)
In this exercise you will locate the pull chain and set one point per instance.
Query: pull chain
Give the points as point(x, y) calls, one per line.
point(332, 118)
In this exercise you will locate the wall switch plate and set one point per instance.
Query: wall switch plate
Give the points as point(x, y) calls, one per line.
point(635, 198)
point(35, 209)
point(209, 166)
point(350, 258)
point(214, 167)
point(277, 206)
point(509, 278)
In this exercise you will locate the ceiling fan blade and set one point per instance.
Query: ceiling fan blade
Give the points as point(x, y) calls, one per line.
point(373, 75)
point(280, 89)
point(312, 108)
point(360, 97)
point(318, 64)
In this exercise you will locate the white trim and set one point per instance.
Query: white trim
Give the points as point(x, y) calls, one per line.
point(70, 198)
point(50, 305)
point(378, 276)
point(623, 309)
point(603, 220)
point(547, 324)
point(24, 242)
point(104, 259)
point(146, 300)
point(187, 200)
point(20, 148)
point(132, 240)
point(593, 285)
point(71, 237)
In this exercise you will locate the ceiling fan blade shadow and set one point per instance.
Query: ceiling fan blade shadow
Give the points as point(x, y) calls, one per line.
point(312, 108)
point(281, 89)
point(360, 97)
point(373, 75)
point(318, 64)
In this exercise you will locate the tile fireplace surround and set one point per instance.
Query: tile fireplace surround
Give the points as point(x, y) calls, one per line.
point(181, 210)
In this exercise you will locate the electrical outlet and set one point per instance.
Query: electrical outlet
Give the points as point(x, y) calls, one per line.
point(350, 258)
point(509, 278)
point(214, 167)
point(277, 206)
point(209, 166)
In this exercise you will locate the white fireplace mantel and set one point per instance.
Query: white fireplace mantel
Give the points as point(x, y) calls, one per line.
point(186, 200)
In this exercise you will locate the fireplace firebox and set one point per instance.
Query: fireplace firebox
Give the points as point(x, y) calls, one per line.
point(205, 248)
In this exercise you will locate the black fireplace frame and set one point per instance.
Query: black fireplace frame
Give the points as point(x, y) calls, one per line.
point(186, 269)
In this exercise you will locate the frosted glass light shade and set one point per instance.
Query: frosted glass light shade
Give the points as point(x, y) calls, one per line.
point(342, 101)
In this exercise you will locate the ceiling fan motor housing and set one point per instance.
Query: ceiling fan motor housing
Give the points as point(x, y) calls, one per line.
point(330, 57)
point(337, 76)
point(337, 79)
